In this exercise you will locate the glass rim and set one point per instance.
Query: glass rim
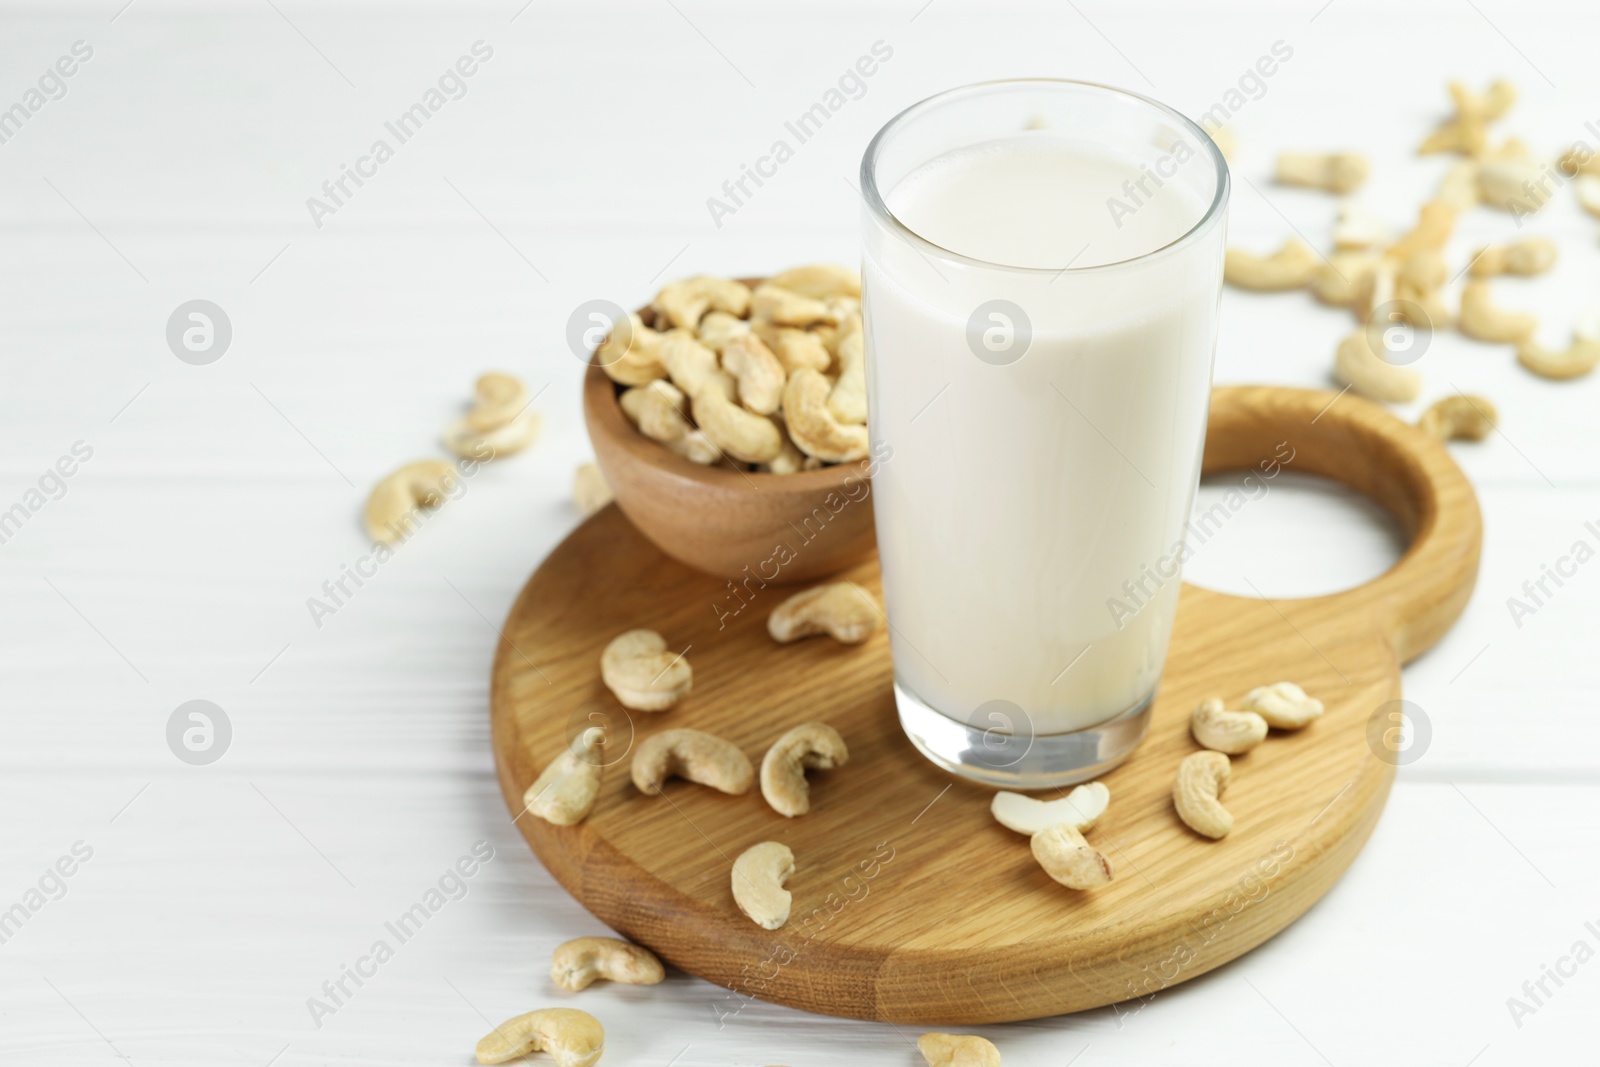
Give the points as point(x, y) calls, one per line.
point(879, 208)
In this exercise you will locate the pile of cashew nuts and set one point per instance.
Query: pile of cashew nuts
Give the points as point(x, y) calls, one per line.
point(771, 378)
point(1385, 282)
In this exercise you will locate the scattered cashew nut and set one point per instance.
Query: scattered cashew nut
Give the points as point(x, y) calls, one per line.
point(590, 490)
point(1345, 279)
point(1576, 360)
point(1357, 228)
point(500, 422)
point(1202, 776)
point(686, 302)
point(1460, 418)
point(1221, 730)
point(814, 427)
point(638, 668)
point(694, 756)
point(758, 877)
point(573, 1038)
point(1069, 859)
point(1338, 172)
point(810, 746)
point(958, 1050)
point(1290, 267)
point(1284, 705)
point(1436, 221)
point(1482, 320)
point(1459, 186)
point(759, 374)
point(1079, 809)
point(565, 791)
point(842, 610)
point(577, 964)
point(1359, 367)
point(393, 504)
point(1532, 256)
point(1589, 193)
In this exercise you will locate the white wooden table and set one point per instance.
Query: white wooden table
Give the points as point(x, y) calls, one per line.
point(177, 560)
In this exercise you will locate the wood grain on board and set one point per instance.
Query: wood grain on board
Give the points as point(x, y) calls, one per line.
point(911, 904)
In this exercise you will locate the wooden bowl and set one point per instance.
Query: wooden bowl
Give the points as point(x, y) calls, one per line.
point(728, 522)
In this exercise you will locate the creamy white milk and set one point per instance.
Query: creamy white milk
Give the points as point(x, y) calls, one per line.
point(1028, 514)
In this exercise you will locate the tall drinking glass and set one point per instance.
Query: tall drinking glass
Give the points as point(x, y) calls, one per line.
point(1042, 271)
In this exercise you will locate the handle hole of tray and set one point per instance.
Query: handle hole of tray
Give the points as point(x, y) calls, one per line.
point(1292, 535)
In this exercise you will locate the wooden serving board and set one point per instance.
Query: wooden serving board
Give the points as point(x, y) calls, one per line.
point(911, 904)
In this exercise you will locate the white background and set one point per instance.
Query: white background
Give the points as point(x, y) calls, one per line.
point(219, 498)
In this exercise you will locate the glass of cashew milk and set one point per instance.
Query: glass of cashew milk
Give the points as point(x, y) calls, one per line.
point(1042, 268)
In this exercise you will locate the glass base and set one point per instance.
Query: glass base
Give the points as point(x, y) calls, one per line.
point(989, 749)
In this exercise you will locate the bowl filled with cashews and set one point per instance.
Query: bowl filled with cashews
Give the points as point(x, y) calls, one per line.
point(729, 418)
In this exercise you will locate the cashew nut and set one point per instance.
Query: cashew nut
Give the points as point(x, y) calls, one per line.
point(1358, 366)
point(1482, 320)
point(1459, 186)
point(772, 303)
point(1436, 221)
point(819, 281)
point(590, 490)
point(631, 354)
point(1069, 859)
point(809, 746)
point(814, 427)
point(1345, 278)
point(1202, 777)
point(1467, 130)
point(566, 789)
point(643, 675)
point(759, 375)
point(1580, 159)
point(1575, 361)
point(499, 423)
point(758, 877)
point(740, 433)
point(1227, 143)
point(1459, 418)
point(1506, 184)
point(694, 368)
point(1222, 730)
point(657, 410)
point(1417, 288)
point(848, 398)
point(1358, 229)
point(789, 460)
point(958, 1050)
point(719, 327)
point(684, 303)
point(1532, 256)
point(573, 1038)
point(1589, 193)
point(577, 964)
point(795, 348)
point(1290, 267)
point(1284, 705)
point(1079, 809)
point(842, 610)
point(695, 756)
point(1338, 172)
point(393, 505)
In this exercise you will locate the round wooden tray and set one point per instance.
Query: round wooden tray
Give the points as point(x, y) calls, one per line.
point(911, 904)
